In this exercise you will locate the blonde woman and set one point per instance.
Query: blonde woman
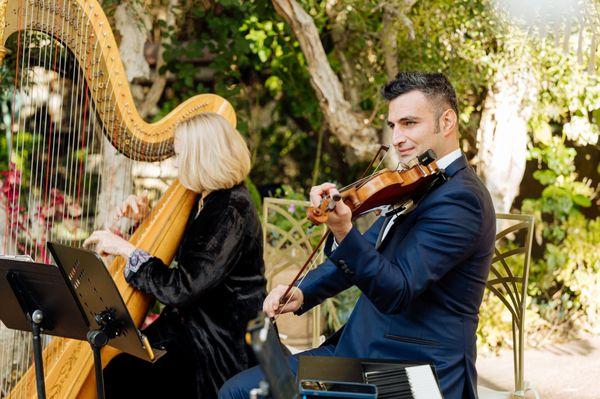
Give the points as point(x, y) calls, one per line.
point(218, 284)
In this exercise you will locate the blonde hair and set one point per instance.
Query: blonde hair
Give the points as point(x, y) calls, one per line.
point(214, 155)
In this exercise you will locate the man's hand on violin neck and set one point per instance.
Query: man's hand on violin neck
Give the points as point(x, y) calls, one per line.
point(340, 219)
point(275, 304)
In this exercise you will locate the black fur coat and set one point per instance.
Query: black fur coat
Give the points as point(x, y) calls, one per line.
point(217, 286)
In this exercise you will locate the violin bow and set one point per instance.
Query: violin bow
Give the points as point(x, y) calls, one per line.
point(314, 252)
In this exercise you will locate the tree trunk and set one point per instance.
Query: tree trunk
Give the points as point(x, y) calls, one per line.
point(349, 127)
point(148, 106)
point(502, 134)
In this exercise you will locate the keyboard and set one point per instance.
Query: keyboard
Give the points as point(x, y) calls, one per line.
point(411, 382)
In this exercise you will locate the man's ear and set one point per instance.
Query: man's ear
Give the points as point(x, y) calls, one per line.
point(448, 121)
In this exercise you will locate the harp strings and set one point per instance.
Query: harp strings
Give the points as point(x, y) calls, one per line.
point(60, 152)
point(36, 54)
point(18, 351)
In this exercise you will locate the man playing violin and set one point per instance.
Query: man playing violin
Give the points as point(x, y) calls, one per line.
point(421, 272)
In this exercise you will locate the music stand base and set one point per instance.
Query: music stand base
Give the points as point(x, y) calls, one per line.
point(98, 339)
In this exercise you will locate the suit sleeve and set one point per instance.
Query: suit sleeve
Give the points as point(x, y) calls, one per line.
point(212, 257)
point(327, 280)
point(444, 234)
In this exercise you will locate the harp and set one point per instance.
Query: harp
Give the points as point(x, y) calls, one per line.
point(68, 46)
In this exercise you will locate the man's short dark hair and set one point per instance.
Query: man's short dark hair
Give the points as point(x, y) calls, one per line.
point(435, 86)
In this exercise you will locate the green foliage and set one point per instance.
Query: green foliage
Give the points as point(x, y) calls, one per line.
point(564, 278)
point(256, 64)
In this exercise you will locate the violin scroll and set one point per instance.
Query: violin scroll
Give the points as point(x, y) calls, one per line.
point(319, 215)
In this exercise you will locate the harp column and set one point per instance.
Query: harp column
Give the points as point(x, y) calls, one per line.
point(2, 24)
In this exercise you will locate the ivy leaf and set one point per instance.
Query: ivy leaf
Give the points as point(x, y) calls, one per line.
point(545, 176)
point(582, 200)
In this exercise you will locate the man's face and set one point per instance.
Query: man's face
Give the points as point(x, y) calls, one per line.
point(415, 125)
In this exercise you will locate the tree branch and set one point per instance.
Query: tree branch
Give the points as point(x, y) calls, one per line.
point(348, 126)
point(148, 106)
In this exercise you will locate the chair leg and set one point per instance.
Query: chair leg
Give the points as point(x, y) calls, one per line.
point(521, 394)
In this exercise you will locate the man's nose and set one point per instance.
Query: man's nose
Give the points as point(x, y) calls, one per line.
point(398, 138)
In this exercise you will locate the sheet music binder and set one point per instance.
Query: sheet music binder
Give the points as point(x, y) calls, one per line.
point(95, 291)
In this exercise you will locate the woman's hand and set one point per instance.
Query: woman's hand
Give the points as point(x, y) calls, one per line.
point(273, 302)
point(135, 207)
point(108, 243)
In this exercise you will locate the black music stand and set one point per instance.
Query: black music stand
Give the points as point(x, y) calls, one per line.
point(280, 382)
point(75, 299)
point(34, 297)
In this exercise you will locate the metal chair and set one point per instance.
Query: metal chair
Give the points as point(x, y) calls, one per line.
point(288, 240)
point(508, 278)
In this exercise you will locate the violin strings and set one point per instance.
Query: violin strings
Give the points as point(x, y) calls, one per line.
point(365, 178)
point(381, 162)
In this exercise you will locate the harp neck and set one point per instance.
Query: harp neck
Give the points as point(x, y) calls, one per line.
point(84, 29)
point(2, 22)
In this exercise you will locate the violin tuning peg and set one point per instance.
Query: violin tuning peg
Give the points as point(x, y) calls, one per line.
point(427, 157)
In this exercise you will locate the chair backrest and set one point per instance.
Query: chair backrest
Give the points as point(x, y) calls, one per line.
point(508, 278)
point(289, 238)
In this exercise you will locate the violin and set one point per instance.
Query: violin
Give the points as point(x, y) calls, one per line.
point(386, 187)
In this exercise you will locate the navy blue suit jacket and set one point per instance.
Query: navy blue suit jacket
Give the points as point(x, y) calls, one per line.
point(422, 287)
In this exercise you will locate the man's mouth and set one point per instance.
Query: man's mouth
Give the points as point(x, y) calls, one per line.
point(406, 151)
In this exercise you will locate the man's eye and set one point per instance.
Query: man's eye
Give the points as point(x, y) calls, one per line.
point(410, 123)
point(390, 125)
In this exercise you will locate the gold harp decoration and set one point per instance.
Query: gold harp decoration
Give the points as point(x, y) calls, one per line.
point(68, 364)
point(2, 14)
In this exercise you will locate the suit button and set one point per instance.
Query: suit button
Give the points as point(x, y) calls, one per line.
point(344, 266)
